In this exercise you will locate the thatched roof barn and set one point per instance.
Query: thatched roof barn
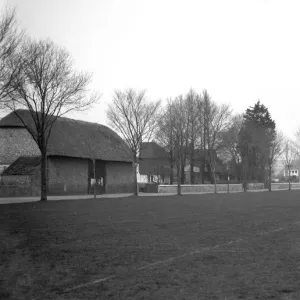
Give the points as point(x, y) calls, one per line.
point(72, 146)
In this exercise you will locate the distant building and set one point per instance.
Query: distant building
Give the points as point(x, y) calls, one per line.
point(73, 144)
point(200, 156)
point(153, 164)
point(280, 171)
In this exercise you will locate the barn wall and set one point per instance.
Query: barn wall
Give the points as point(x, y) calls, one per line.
point(119, 177)
point(67, 176)
point(15, 142)
point(16, 180)
point(20, 185)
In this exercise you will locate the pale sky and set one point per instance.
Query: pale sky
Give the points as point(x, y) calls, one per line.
point(239, 50)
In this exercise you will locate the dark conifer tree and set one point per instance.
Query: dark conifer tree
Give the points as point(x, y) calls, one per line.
point(255, 138)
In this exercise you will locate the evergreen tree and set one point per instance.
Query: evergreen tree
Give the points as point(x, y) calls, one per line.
point(255, 139)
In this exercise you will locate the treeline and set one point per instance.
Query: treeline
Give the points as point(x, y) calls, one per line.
point(191, 129)
point(196, 130)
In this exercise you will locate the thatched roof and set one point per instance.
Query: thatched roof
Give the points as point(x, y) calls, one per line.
point(24, 165)
point(74, 138)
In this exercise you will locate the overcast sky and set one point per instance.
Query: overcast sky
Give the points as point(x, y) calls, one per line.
point(239, 50)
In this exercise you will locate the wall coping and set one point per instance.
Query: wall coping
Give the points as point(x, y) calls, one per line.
point(285, 183)
point(167, 185)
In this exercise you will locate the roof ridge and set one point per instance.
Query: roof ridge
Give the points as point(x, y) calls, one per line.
point(67, 118)
point(78, 138)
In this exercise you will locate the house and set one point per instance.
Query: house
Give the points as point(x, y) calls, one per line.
point(200, 156)
point(281, 173)
point(153, 164)
point(72, 147)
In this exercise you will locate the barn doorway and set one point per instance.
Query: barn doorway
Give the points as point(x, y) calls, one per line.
point(98, 183)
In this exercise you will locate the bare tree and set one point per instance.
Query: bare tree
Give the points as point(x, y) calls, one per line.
point(193, 103)
point(10, 40)
point(164, 134)
point(180, 128)
point(135, 118)
point(48, 87)
point(215, 120)
point(228, 147)
point(211, 158)
point(289, 155)
point(229, 150)
point(297, 141)
point(275, 151)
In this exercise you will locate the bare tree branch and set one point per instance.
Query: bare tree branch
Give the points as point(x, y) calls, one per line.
point(10, 40)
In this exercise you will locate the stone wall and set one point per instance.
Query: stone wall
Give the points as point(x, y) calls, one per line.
point(203, 188)
point(285, 186)
point(208, 188)
point(256, 186)
point(119, 177)
point(67, 175)
point(15, 142)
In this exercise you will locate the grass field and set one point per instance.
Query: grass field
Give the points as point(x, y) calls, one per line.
point(237, 246)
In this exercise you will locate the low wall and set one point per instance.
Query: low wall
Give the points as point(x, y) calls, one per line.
point(199, 188)
point(256, 186)
point(208, 188)
point(285, 186)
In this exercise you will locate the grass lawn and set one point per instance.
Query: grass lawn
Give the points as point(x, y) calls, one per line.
point(190, 247)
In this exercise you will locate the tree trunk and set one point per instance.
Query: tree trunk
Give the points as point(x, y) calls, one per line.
point(215, 182)
point(245, 175)
point(270, 179)
point(210, 174)
point(182, 173)
point(171, 176)
point(228, 187)
point(135, 184)
point(289, 180)
point(172, 172)
point(192, 165)
point(94, 169)
point(178, 180)
point(171, 162)
point(43, 176)
point(202, 171)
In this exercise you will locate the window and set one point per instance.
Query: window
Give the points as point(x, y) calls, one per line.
point(294, 172)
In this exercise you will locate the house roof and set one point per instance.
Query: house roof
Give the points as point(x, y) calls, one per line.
point(153, 159)
point(24, 165)
point(152, 150)
point(76, 138)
